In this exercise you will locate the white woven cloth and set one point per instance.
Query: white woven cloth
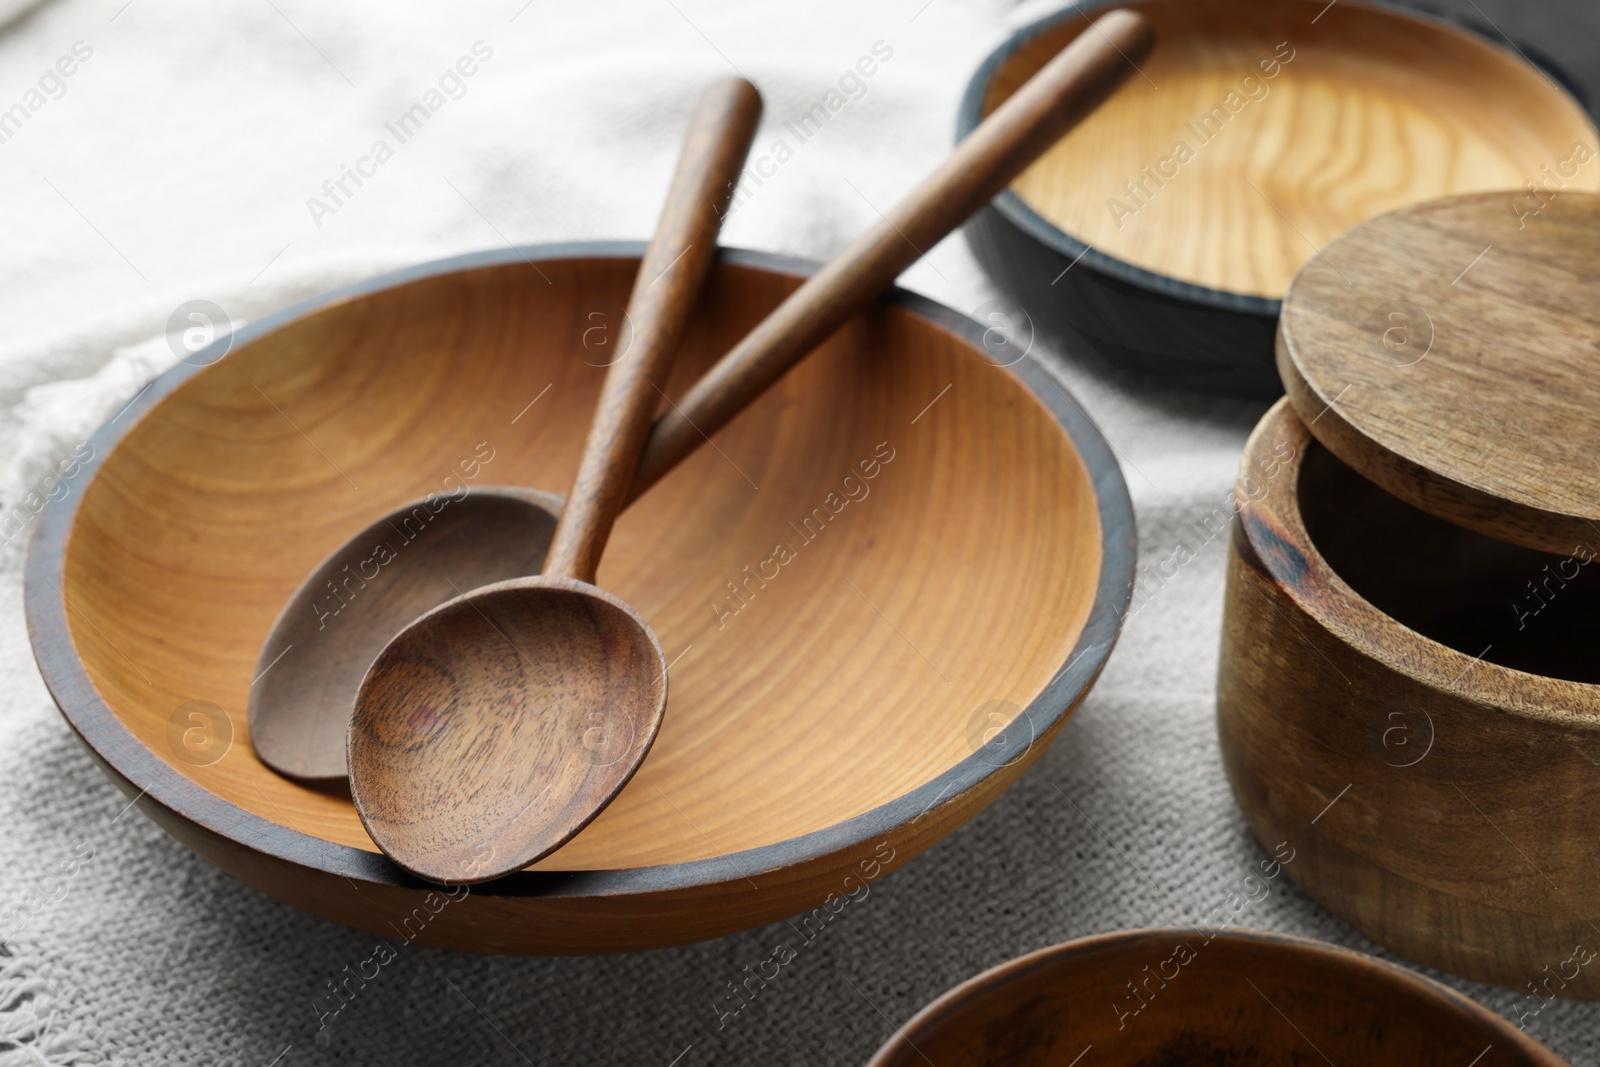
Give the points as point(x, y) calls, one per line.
point(176, 162)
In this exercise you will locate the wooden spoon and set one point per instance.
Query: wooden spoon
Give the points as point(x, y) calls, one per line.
point(478, 712)
point(428, 551)
point(477, 744)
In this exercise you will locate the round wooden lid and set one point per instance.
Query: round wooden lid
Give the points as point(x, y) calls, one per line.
point(1450, 352)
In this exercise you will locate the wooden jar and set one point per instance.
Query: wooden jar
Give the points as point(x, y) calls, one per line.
point(1408, 683)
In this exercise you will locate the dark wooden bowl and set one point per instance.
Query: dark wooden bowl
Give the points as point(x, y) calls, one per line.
point(1237, 998)
point(1376, 109)
point(1381, 705)
point(961, 548)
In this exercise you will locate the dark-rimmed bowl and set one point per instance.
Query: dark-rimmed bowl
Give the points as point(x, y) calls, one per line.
point(1375, 109)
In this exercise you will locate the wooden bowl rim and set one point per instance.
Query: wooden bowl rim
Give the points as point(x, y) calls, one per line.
point(1032, 224)
point(139, 767)
point(1273, 534)
point(1380, 972)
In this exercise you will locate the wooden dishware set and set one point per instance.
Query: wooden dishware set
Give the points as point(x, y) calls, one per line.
point(1405, 690)
point(1409, 516)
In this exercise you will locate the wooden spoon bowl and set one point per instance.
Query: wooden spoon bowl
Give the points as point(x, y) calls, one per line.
point(480, 674)
point(391, 573)
point(864, 651)
point(1195, 997)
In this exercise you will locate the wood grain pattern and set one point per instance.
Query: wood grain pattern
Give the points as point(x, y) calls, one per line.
point(478, 738)
point(807, 729)
point(1366, 110)
point(1447, 352)
point(1441, 802)
point(1184, 997)
point(1064, 90)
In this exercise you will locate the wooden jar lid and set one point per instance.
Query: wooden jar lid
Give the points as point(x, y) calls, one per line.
point(1450, 352)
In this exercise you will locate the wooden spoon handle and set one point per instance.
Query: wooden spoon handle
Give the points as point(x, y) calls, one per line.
point(669, 281)
point(1053, 101)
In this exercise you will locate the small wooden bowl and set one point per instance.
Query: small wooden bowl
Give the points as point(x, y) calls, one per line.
point(1178, 998)
point(1366, 109)
point(959, 555)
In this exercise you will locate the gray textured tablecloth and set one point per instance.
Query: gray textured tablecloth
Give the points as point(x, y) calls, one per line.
point(176, 163)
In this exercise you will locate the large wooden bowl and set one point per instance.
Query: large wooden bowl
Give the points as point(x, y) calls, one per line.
point(1187, 997)
point(1175, 263)
point(960, 550)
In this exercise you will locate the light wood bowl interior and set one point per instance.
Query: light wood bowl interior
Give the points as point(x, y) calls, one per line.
point(963, 577)
point(1375, 110)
